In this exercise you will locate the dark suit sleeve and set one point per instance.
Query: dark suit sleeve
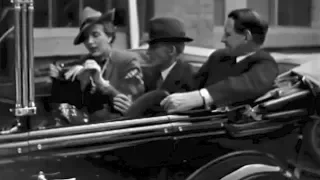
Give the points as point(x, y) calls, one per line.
point(249, 85)
point(131, 75)
point(202, 74)
point(189, 83)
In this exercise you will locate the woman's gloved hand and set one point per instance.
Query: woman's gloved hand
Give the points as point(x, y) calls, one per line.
point(54, 70)
point(73, 72)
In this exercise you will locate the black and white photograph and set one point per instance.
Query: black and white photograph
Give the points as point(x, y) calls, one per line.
point(159, 89)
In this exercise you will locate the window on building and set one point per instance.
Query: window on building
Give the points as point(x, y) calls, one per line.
point(66, 13)
point(219, 12)
point(121, 16)
point(41, 13)
point(284, 12)
point(100, 5)
point(288, 16)
point(146, 12)
point(6, 44)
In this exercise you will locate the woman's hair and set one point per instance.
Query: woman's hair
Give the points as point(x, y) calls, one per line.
point(110, 30)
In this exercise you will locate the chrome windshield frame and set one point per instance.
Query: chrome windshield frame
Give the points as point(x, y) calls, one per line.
point(24, 58)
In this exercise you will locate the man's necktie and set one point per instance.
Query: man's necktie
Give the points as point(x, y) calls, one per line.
point(159, 80)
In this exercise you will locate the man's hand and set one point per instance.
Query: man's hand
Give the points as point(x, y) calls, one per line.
point(73, 72)
point(54, 70)
point(122, 103)
point(179, 102)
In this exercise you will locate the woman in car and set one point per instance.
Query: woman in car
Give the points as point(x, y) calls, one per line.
point(106, 80)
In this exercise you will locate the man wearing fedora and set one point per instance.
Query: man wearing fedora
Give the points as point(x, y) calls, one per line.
point(166, 71)
point(236, 74)
point(106, 80)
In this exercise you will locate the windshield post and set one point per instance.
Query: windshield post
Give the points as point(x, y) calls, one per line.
point(134, 24)
point(30, 61)
point(24, 58)
point(17, 37)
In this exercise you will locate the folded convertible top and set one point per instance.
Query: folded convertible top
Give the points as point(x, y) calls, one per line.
point(310, 70)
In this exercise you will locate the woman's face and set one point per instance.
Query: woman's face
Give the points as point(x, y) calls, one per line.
point(97, 41)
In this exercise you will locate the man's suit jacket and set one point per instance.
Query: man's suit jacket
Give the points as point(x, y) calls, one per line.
point(179, 79)
point(229, 82)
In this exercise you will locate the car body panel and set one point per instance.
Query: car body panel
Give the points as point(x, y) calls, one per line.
point(54, 150)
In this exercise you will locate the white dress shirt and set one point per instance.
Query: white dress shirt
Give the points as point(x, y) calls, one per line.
point(166, 72)
point(240, 58)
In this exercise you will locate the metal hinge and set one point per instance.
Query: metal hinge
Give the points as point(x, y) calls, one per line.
point(24, 111)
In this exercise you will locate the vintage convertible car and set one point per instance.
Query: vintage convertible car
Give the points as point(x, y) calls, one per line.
point(32, 147)
point(291, 107)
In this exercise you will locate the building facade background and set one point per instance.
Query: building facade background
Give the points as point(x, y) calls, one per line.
point(293, 23)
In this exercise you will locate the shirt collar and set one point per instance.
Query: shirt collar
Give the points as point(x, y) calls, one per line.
point(165, 72)
point(240, 58)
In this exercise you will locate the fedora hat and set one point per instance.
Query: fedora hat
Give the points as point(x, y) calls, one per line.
point(90, 17)
point(166, 29)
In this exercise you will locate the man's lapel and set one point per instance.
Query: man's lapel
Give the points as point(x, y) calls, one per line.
point(243, 65)
point(150, 77)
point(247, 59)
point(173, 76)
point(241, 58)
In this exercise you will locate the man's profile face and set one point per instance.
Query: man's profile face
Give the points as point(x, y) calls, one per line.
point(96, 40)
point(231, 38)
point(159, 54)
